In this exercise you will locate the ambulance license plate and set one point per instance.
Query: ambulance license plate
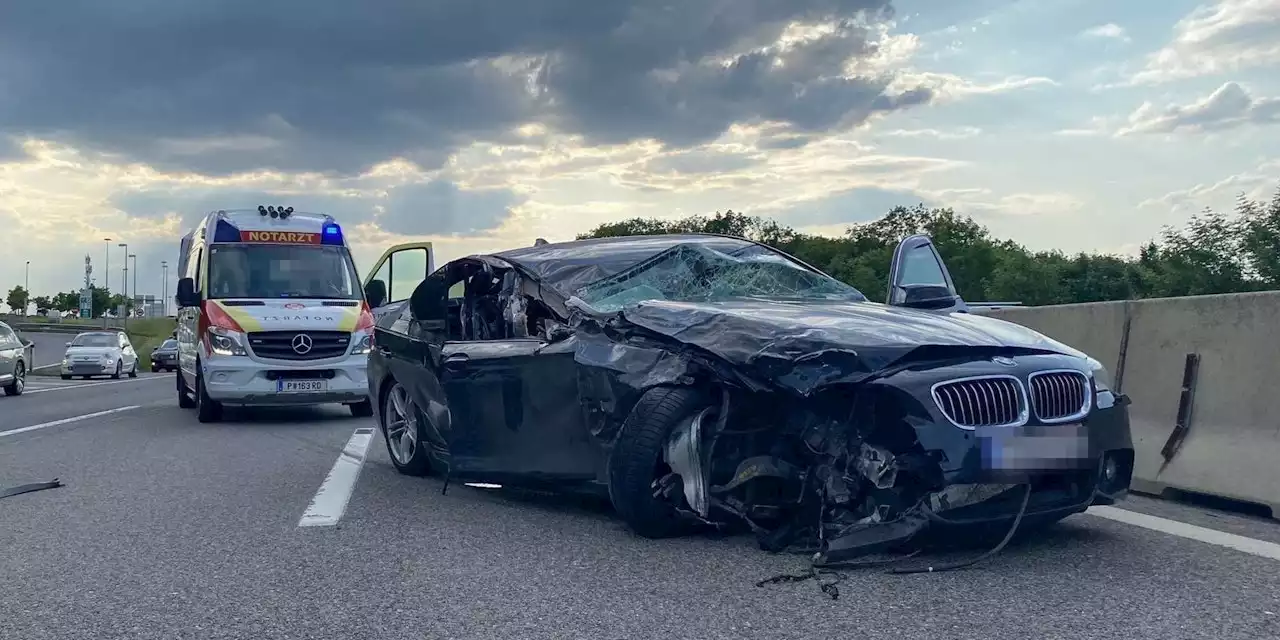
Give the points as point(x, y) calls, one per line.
point(301, 386)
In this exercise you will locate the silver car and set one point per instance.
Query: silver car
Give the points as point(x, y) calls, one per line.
point(14, 362)
point(100, 353)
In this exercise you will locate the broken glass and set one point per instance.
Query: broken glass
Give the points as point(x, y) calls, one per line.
point(697, 273)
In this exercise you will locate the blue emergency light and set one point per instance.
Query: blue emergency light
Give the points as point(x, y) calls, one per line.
point(331, 233)
point(226, 232)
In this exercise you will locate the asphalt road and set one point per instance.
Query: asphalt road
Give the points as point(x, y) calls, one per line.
point(49, 347)
point(168, 528)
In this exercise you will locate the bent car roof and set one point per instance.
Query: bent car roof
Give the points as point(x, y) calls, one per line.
point(568, 266)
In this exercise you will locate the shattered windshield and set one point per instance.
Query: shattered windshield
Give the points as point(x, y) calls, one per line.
point(697, 273)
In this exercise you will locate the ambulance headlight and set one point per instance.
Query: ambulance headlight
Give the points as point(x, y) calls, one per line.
point(225, 343)
point(363, 346)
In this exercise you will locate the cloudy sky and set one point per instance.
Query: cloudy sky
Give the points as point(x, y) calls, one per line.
point(484, 124)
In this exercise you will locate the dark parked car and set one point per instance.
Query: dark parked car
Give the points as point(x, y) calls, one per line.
point(703, 379)
point(15, 361)
point(165, 356)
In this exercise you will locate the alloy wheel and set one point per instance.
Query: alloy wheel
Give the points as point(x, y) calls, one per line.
point(401, 425)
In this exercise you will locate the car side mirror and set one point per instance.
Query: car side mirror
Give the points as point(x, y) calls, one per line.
point(186, 296)
point(375, 293)
point(928, 296)
point(68, 344)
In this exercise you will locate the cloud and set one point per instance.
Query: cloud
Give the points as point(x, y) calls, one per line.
point(860, 204)
point(1225, 36)
point(284, 86)
point(960, 133)
point(1257, 184)
point(439, 207)
point(1110, 31)
point(1228, 107)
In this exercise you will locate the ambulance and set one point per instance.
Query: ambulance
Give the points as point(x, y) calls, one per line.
point(271, 313)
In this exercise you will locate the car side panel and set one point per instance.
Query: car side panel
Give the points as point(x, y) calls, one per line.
point(516, 415)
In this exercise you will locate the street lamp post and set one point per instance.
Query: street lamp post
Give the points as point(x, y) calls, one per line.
point(164, 288)
point(106, 282)
point(125, 284)
point(26, 289)
point(135, 278)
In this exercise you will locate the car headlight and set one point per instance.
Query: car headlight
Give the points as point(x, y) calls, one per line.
point(225, 343)
point(363, 346)
point(1101, 379)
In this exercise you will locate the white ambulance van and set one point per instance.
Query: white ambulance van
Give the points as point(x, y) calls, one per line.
point(271, 313)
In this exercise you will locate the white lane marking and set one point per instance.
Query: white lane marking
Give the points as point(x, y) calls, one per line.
point(91, 384)
point(56, 423)
point(330, 501)
point(1190, 531)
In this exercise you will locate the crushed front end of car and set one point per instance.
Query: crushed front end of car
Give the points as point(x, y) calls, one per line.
point(846, 429)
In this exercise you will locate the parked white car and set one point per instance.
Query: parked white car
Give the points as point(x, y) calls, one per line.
point(100, 353)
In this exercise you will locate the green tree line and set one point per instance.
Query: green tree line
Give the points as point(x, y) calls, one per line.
point(103, 300)
point(1213, 253)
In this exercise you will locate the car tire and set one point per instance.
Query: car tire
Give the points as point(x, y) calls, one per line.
point(65, 377)
point(133, 371)
point(362, 409)
point(207, 409)
point(119, 367)
point(19, 383)
point(185, 401)
point(418, 463)
point(637, 458)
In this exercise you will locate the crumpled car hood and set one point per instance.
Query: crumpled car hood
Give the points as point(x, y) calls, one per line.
point(806, 344)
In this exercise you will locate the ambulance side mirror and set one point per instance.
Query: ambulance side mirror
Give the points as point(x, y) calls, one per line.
point(186, 296)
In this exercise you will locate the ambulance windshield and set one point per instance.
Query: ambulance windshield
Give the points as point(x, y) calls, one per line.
point(281, 271)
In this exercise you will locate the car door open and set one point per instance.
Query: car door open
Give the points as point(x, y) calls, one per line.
point(919, 278)
point(396, 274)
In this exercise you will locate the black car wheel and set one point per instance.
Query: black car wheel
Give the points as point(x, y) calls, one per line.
point(133, 371)
point(119, 367)
point(65, 377)
point(401, 423)
point(207, 409)
point(19, 383)
point(638, 459)
point(185, 400)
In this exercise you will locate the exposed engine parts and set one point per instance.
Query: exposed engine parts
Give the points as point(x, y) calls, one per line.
point(809, 483)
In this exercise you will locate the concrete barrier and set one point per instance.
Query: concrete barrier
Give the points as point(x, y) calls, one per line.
point(1232, 443)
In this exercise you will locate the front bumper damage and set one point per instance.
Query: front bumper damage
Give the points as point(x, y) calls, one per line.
point(846, 465)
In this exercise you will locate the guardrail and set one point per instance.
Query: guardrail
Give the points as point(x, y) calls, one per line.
point(1201, 372)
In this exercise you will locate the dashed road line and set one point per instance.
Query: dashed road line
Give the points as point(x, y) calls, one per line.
point(57, 423)
point(330, 501)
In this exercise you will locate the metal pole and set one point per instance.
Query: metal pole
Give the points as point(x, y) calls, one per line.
point(164, 288)
point(135, 276)
point(26, 288)
point(125, 284)
point(106, 281)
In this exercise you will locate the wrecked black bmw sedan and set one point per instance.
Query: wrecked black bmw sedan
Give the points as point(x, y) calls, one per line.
point(702, 380)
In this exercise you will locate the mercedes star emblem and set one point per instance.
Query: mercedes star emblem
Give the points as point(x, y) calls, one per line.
point(301, 343)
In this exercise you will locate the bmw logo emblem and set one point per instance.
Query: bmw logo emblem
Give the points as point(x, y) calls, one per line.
point(1001, 360)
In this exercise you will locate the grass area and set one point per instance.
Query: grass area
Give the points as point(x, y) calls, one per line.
point(146, 334)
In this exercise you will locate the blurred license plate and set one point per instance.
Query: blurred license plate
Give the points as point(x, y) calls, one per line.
point(1039, 448)
point(301, 386)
